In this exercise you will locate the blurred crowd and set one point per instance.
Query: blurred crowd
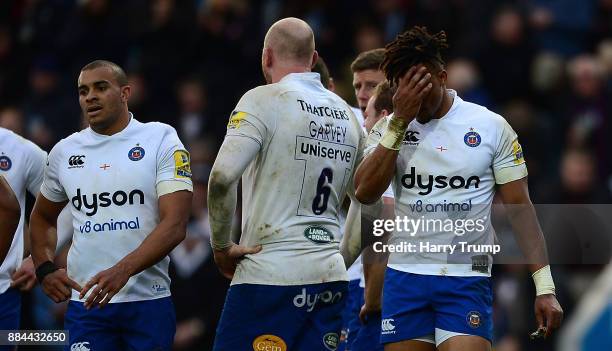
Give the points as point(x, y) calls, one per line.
point(545, 65)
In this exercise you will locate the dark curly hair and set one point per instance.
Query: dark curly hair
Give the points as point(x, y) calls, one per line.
point(411, 48)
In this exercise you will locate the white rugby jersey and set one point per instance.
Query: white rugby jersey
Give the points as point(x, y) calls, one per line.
point(445, 174)
point(292, 191)
point(112, 184)
point(21, 164)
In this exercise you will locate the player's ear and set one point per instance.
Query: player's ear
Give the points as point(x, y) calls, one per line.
point(442, 75)
point(126, 91)
point(315, 57)
point(267, 58)
point(384, 113)
point(332, 85)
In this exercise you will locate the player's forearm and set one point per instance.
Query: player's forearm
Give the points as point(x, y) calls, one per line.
point(163, 239)
point(222, 199)
point(528, 234)
point(43, 236)
point(374, 274)
point(374, 174)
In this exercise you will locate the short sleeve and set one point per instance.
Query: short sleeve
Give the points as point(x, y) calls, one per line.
point(375, 135)
point(173, 165)
point(508, 162)
point(35, 169)
point(250, 118)
point(389, 192)
point(51, 187)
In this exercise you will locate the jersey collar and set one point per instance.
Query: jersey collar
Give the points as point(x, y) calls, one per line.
point(309, 76)
point(129, 126)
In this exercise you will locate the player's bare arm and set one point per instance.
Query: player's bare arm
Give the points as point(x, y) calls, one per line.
point(522, 216)
point(233, 158)
point(375, 172)
point(9, 217)
point(174, 209)
point(55, 282)
point(374, 266)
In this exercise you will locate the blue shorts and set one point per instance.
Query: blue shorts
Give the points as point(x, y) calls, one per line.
point(140, 325)
point(10, 312)
point(350, 315)
point(368, 337)
point(268, 317)
point(414, 305)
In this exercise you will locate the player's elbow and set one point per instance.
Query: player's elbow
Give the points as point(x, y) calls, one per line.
point(218, 184)
point(178, 231)
point(365, 196)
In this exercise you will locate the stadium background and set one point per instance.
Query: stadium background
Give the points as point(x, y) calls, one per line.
point(545, 65)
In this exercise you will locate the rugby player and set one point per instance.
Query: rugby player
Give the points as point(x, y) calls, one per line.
point(366, 76)
point(321, 68)
point(367, 337)
point(9, 218)
point(21, 164)
point(295, 145)
point(442, 152)
point(129, 188)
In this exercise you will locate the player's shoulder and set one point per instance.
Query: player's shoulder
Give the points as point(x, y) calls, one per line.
point(481, 114)
point(155, 128)
point(20, 142)
point(264, 94)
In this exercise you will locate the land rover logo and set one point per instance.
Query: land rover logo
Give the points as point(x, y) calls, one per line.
point(318, 235)
point(330, 340)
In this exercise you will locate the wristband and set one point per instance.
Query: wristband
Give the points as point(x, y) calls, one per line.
point(543, 281)
point(394, 135)
point(44, 269)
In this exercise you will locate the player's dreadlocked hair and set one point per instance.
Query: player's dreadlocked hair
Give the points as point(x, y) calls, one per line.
point(411, 48)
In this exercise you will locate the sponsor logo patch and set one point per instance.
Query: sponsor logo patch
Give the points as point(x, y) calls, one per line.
point(474, 319)
point(331, 341)
point(387, 327)
point(5, 163)
point(310, 301)
point(235, 119)
point(80, 346)
point(318, 235)
point(76, 161)
point(480, 263)
point(182, 164)
point(517, 151)
point(410, 138)
point(158, 288)
point(268, 342)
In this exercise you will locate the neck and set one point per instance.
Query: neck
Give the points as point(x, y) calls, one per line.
point(118, 125)
point(281, 72)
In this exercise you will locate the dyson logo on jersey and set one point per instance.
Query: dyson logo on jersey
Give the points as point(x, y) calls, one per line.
point(110, 226)
point(105, 199)
point(326, 297)
point(411, 180)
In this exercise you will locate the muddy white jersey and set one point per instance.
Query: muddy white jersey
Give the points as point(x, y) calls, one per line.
point(444, 184)
point(112, 184)
point(310, 144)
point(22, 164)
